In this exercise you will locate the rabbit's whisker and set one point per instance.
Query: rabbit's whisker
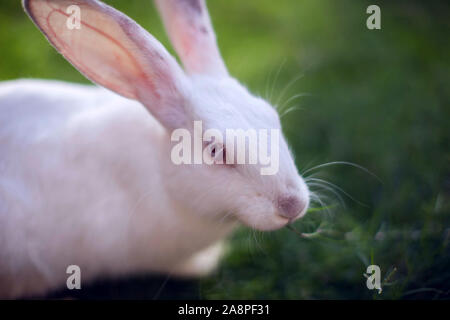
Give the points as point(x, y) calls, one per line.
point(342, 163)
point(290, 109)
point(275, 80)
point(293, 98)
point(287, 87)
point(327, 188)
point(332, 185)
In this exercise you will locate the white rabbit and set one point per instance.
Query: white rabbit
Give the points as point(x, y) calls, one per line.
point(86, 176)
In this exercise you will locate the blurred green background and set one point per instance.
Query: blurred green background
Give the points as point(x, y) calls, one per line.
point(377, 98)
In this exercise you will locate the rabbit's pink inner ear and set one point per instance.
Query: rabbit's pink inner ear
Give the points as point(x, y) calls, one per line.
point(190, 30)
point(88, 62)
point(98, 48)
point(108, 48)
point(112, 50)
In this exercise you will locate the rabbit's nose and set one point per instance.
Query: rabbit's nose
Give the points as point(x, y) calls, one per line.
point(290, 206)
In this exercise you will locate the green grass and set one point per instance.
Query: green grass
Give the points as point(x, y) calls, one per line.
point(379, 99)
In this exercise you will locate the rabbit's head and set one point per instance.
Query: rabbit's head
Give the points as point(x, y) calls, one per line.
point(202, 100)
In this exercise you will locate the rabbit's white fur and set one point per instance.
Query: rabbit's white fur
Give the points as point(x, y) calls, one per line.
point(86, 176)
point(84, 181)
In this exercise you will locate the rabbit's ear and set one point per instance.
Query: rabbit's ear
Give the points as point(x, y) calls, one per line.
point(190, 30)
point(112, 50)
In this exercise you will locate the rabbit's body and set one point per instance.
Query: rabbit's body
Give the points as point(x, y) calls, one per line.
point(83, 182)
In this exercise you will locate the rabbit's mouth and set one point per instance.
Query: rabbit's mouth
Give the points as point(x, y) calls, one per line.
point(271, 213)
point(269, 223)
point(261, 214)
